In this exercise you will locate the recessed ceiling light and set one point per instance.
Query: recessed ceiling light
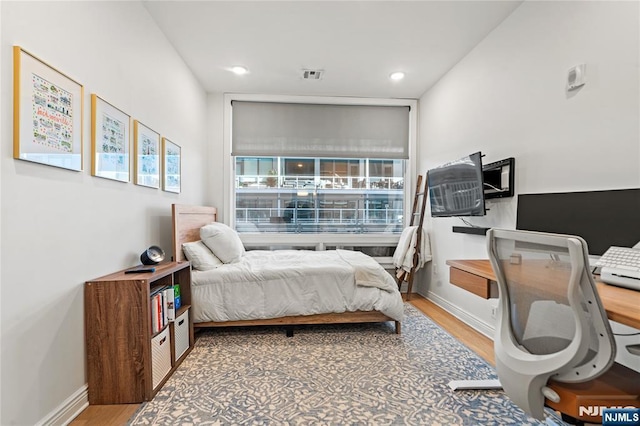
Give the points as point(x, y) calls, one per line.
point(398, 75)
point(239, 70)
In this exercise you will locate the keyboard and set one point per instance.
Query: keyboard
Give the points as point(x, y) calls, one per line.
point(620, 266)
point(621, 258)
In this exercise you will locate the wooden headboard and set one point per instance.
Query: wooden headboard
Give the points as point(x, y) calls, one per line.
point(187, 221)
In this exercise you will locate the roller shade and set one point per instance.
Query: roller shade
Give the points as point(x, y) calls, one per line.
point(272, 129)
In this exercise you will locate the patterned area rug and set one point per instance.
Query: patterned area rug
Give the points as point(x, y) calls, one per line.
point(360, 374)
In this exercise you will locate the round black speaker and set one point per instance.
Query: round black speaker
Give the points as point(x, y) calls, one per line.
point(152, 256)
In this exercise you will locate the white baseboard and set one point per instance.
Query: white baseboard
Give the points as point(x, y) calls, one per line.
point(68, 410)
point(472, 321)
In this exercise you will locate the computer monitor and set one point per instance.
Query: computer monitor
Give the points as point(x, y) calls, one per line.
point(602, 218)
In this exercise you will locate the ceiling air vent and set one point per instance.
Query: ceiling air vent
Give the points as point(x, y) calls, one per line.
point(312, 74)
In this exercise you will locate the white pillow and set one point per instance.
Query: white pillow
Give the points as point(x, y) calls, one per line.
point(200, 256)
point(223, 241)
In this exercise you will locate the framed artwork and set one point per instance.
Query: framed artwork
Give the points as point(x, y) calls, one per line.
point(47, 113)
point(110, 141)
point(147, 157)
point(171, 161)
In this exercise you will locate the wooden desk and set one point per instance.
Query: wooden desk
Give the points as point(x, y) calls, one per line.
point(618, 386)
point(477, 276)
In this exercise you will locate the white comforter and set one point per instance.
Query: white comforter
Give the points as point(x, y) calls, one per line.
point(272, 284)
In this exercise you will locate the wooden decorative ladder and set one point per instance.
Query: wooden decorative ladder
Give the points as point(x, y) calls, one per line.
point(417, 218)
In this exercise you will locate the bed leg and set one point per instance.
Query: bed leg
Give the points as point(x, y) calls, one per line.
point(289, 331)
point(398, 327)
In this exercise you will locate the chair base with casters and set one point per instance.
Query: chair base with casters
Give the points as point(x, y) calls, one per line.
point(583, 402)
point(485, 384)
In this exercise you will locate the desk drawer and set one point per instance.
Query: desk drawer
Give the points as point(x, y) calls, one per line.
point(473, 283)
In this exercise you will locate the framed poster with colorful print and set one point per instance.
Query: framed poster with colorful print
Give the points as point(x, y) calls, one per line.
point(47, 113)
point(147, 156)
point(110, 141)
point(171, 156)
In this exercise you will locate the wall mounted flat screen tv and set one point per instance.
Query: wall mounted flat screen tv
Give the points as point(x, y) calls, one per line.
point(602, 218)
point(456, 188)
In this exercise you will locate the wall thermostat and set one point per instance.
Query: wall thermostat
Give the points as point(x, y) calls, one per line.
point(577, 76)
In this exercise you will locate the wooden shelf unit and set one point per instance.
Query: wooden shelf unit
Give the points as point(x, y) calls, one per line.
point(118, 332)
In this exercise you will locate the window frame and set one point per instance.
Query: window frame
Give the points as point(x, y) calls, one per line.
point(317, 240)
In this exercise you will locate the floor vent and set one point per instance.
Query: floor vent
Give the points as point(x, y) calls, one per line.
point(312, 74)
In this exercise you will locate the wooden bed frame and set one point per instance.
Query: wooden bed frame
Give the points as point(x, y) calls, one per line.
point(187, 221)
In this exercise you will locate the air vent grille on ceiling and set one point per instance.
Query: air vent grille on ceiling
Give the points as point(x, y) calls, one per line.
point(312, 74)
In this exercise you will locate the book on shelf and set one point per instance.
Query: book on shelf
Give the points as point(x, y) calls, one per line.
point(163, 307)
point(160, 316)
point(169, 304)
point(155, 306)
point(177, 298)
point(156, 290)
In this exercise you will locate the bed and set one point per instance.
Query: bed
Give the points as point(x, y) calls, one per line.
point(283, 287)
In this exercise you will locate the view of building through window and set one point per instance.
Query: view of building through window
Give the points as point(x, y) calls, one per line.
point(318, 195)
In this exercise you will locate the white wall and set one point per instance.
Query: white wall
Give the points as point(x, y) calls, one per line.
point(1, 139)
point(215, 174)
point(60, 228)
point(507, 98)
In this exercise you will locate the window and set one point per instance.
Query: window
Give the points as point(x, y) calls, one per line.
point(331, 169)
point(309, 195)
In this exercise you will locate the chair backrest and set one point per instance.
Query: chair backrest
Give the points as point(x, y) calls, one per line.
point(551, 323)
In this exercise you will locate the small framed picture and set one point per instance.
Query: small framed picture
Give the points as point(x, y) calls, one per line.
point(47, 113)
point(110, 141)
point(147, 158)
point(171, 160)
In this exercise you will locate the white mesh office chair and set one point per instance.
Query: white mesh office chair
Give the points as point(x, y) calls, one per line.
point(551, 323)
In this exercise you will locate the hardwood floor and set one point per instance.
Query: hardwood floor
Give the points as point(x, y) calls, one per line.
point(105, 415)
point(477, 342)
point(115, 415)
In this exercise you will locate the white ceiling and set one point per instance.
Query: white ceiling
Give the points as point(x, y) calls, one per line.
point(357, 43)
